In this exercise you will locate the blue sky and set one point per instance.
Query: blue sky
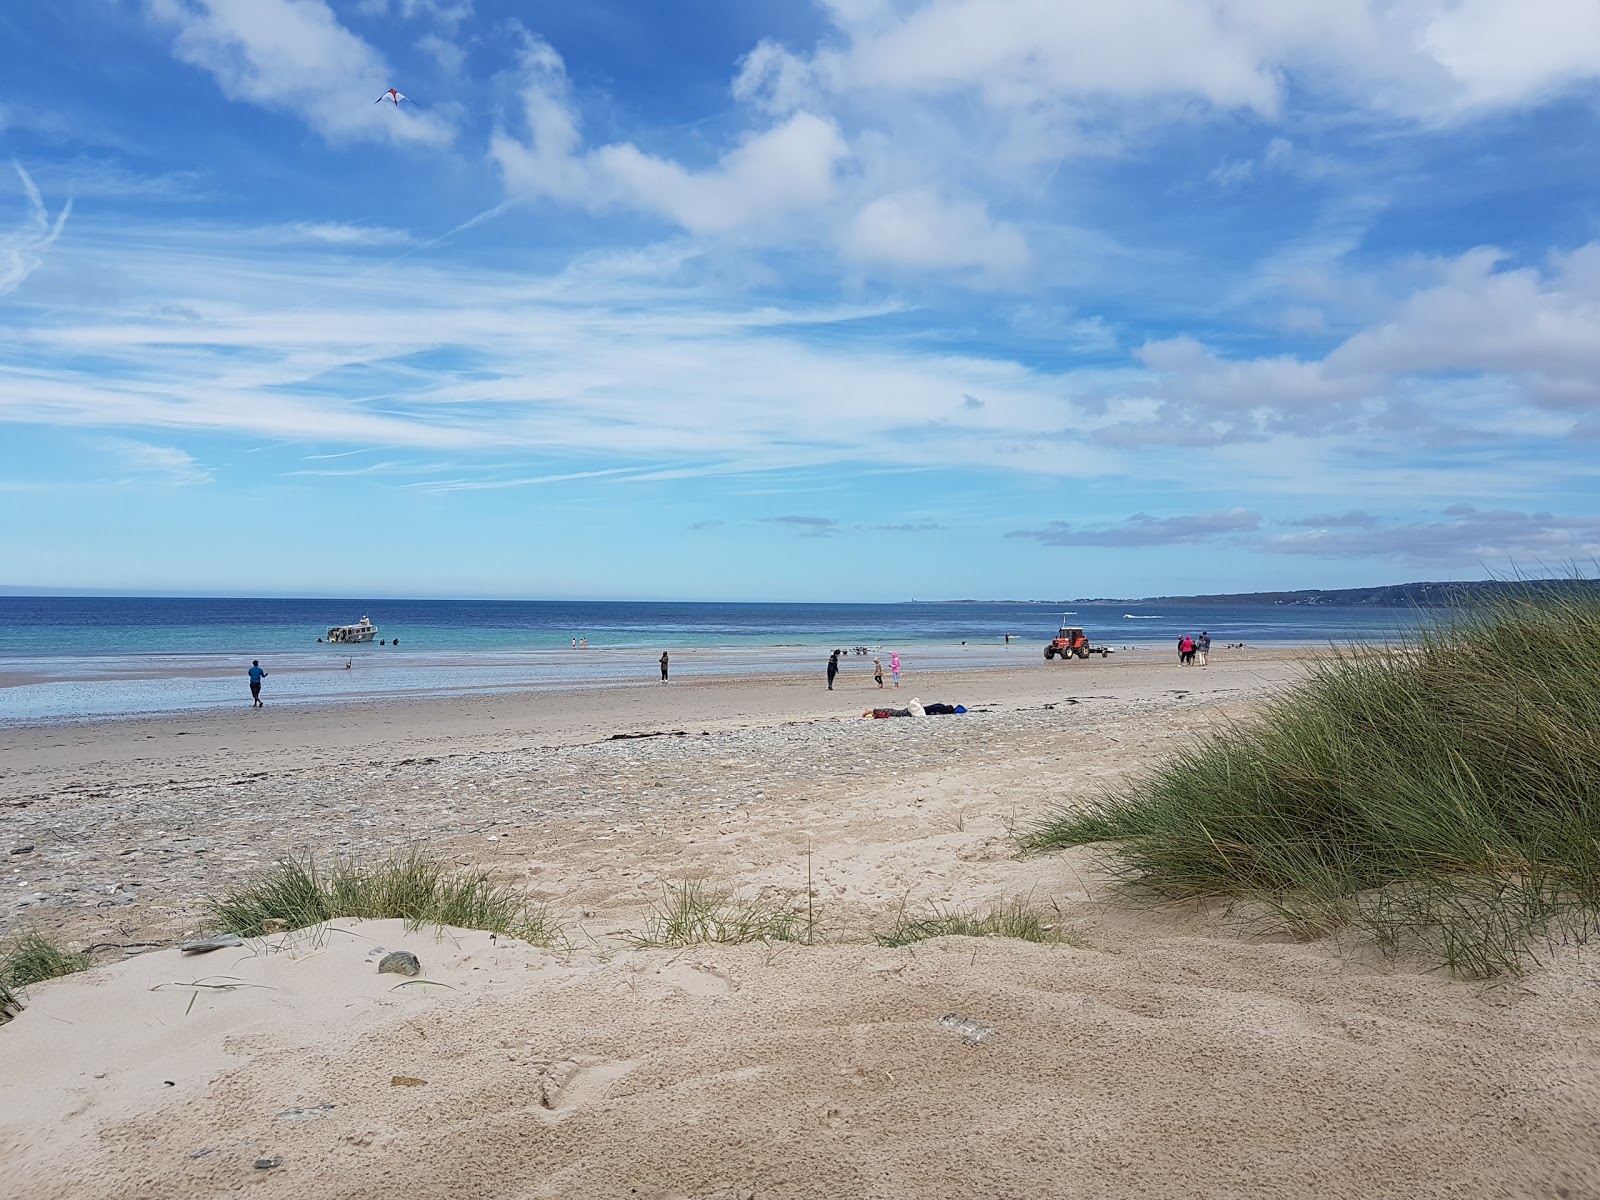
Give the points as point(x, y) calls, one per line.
point(769, 299)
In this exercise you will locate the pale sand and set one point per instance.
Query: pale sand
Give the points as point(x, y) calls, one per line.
point(1169, 1054)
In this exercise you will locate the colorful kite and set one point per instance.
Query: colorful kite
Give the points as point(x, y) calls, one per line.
point(395, 96)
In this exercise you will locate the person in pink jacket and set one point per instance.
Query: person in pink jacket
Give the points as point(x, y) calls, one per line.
point(894, 667)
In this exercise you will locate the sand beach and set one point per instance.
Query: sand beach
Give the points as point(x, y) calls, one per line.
point(1153, 1051)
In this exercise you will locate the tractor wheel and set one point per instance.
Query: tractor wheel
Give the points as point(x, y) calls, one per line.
point(1083, 654)
point(1049, 653)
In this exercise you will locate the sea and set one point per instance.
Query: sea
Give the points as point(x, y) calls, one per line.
point(67, 658)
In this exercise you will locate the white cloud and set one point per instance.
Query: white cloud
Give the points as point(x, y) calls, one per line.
point(921, 231)
point(448, 13)
point(166, 463)
point(294, 56)
point(1507, 54)
point(1462, 533)
point(768, 176)
point(338, 233)
point(486, 364)
point(1430, 59)
point(22, 250)
point(1142, 529)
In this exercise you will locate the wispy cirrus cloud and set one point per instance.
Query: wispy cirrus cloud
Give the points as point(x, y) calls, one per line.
point(22, 251)
point(165, 463)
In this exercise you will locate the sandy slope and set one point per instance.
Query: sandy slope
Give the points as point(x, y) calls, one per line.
point(1164, 1054)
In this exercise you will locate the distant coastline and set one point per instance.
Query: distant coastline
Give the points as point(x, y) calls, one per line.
point(1393, 595)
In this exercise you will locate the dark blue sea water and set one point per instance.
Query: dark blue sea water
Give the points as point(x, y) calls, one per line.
point(66, 658)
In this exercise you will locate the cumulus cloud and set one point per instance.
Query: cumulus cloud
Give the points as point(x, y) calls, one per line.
point(22, 250)
point(1462, 534)
point(1142, 529)
point(1501, 54)
point(770, 174)
point(294, 56)
point(866, 143)
point(1480, 347)
point(921, 231)
point(1429, 59)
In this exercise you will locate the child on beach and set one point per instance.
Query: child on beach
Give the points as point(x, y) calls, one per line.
point(894, 667)
point(877, 672)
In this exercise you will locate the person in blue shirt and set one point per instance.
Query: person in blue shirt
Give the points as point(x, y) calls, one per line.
point(256, 676)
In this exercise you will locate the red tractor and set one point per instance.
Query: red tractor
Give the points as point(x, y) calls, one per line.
point(1071, 642)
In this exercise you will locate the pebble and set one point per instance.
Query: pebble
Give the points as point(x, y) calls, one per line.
point(399, 962)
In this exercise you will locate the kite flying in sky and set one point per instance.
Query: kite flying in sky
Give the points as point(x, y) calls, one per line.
point(391, 94)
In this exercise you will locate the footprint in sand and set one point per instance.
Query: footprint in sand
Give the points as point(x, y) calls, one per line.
point(573, 1083)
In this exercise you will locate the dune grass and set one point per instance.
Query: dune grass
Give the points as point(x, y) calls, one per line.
point(1013, 919)
point(32, 958)
point(688, 915)
point(411, 886)
point(1443, 795)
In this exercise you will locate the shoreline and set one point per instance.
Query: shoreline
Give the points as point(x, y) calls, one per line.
point(184, 690)
point(561, 714)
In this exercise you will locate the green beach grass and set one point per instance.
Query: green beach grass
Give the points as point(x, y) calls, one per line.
point(411, 886)
point(1442, 796)
point(32, 958)
point(688, 915)
point(1018, 919)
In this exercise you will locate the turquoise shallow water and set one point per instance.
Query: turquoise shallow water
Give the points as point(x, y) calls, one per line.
point(71, 658)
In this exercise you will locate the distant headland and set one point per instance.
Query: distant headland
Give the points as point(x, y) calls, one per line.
point(1393, 595)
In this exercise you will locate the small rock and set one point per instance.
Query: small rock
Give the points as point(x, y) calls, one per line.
point(400, 962)
point(22, 850)
point(407, 1081)
point(206, 945)
point(266, 1164)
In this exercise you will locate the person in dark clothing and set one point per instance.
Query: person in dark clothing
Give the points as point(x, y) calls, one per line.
point(833, 668)
point(256, 676)
point(663, 666)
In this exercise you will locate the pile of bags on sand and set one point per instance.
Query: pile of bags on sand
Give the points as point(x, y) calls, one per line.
point(916, 709)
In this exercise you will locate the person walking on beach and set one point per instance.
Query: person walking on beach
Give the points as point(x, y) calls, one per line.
point(256, 676)
point(833, 668)
point(1186, 650)
point(1203, 646)
point(663, 666)
point(894, 667)
point(877, 673)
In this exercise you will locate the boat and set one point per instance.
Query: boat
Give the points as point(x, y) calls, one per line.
point(362, 631)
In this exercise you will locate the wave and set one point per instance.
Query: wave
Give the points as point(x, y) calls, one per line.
point(1132, 617)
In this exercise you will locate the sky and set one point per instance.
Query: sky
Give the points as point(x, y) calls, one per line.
point(797, 299)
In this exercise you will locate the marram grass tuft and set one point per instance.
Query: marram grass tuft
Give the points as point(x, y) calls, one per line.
point(1442, 795)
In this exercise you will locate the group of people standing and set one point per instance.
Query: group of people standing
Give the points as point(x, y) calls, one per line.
point(877, 668)
point(1190, 648)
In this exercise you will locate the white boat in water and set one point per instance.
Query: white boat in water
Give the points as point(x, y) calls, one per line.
point(362, 631)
